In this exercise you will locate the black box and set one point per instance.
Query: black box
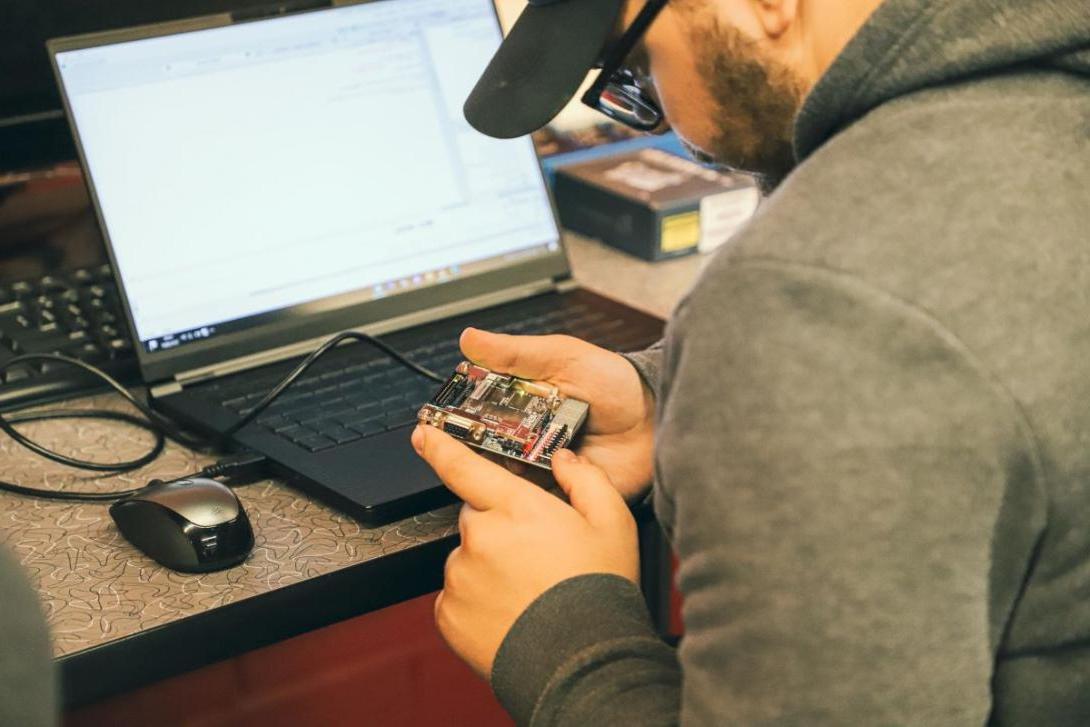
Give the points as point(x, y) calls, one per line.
point(653, 204)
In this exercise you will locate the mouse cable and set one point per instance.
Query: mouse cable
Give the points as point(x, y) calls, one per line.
point(240, 470)
point(160, 426)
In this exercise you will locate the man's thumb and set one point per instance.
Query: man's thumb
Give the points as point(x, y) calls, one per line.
point(528, 357)
point(588, 489)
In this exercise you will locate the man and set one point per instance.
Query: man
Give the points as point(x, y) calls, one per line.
point(871, 422)
point(28, 682)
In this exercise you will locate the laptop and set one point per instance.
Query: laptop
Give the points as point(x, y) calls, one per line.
point(264, 182)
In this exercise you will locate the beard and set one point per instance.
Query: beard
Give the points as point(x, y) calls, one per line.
point(756, 100)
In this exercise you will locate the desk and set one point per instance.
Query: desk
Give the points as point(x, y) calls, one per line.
point(120, 620)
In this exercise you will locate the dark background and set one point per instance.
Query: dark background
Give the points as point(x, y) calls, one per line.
point(27, 88)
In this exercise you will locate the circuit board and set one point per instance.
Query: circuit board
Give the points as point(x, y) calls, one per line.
point(524, 420)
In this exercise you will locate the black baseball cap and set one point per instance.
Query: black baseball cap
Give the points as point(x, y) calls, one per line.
point(540, 65)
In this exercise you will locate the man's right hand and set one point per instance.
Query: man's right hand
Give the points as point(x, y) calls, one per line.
point(618, 435)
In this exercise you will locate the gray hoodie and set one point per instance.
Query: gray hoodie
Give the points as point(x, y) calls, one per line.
point(28, 680)
point(873, 413)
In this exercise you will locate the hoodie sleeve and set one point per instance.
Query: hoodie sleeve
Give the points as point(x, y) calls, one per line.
point(28, 680)
point(648, 364)
point(585, 653)
point(857, 505)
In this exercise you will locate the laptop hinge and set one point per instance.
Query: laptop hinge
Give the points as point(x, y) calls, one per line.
point(263, 358)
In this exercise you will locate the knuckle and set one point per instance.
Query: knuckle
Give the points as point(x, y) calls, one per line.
point(443, 620)
point(457, 574)
point(480, 541)
point(471, 539)
point(450, 569)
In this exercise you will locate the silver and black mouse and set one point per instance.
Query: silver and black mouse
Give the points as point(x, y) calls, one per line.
point(195, 525)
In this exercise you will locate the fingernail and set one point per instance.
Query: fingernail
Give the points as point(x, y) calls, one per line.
point(418, 439)
point(565, 455)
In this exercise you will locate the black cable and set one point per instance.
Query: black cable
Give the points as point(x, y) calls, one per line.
point(155, 419)
point(240, 469)
point(36, 416)
point(301, 369)
point(68, 496)
point(160, 426)
point(150, 456)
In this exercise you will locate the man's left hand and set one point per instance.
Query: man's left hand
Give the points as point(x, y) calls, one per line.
point(519, 540)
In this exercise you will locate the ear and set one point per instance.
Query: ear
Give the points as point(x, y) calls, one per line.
point(776, 16)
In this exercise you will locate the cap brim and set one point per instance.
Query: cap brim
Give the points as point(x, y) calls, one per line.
point(540, 66)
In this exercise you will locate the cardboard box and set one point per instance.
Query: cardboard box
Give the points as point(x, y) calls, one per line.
point(653, 204)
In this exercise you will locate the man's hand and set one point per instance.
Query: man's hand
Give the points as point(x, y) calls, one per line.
point(619, 432)
point(519, 540)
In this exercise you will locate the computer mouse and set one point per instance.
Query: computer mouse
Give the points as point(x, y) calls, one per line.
point(194, 525)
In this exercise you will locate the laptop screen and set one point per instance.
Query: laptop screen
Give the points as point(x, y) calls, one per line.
point(314, 157)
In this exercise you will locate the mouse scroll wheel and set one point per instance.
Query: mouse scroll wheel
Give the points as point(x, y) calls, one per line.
point(208, 544)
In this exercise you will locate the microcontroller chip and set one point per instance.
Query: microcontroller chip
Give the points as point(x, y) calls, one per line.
point(524, 420)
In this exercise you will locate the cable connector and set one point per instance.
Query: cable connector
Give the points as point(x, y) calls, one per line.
point(245, 467)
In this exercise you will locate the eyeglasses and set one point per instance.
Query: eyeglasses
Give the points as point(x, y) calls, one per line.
point(619, 92)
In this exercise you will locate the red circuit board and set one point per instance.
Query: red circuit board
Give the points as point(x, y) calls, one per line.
point(521, 419)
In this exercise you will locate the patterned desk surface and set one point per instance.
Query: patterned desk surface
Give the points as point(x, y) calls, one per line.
point(96, 588)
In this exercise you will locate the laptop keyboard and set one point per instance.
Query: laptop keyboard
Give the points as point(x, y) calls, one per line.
point(78, 314)
point(339, 402)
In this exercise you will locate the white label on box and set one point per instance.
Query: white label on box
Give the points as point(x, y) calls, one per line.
point(721, 215)
point(644, 177)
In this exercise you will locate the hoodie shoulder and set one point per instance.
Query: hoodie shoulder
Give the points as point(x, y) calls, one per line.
point(910, 45)
point(992, 171)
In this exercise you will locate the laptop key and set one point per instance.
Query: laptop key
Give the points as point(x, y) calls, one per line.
point(293, 432)
point(291, 396)
point(366, 427)
point(342, 415)
point(348, 382)
point(316, 443)
point(399, 418)
point(315, 423)
point(356, 369)
point(368, 410)
point(236, 404)
point(22, 372)
point(274, 421)
point(339, 434)
point(301, 433)
point(309, 413)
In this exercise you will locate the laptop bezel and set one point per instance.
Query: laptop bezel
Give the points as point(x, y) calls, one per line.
point(300, 323)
